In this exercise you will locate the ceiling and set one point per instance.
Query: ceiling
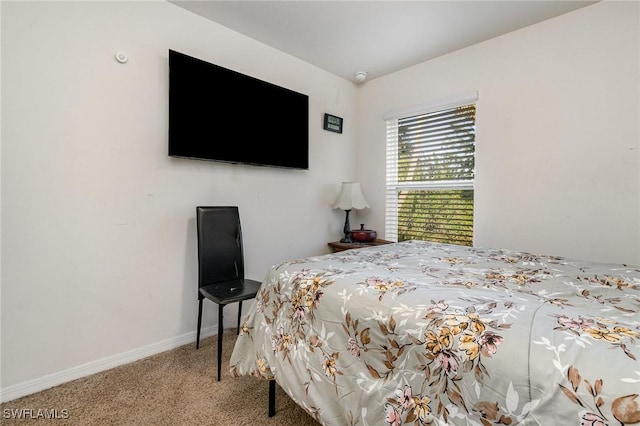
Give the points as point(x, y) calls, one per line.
point(377, 37)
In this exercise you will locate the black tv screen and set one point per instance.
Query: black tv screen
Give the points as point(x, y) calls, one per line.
point(222, 115)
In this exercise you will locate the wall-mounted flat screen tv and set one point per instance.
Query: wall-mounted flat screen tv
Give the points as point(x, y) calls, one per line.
point(222, 115)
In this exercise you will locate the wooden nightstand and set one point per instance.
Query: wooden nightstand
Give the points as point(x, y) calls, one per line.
point(337, 246)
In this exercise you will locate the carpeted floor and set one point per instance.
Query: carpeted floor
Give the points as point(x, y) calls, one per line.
point(177, 387)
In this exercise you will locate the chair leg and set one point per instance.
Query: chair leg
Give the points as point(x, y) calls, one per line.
point(220, 328)
point(239, 317)
point(272, 397)
point(199, 324)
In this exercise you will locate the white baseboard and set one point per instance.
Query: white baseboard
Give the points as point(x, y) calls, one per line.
point(54, 379)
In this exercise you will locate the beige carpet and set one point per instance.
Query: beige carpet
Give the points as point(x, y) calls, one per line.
point(177, 387)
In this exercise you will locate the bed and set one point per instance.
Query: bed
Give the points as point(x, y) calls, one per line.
point(433, 334)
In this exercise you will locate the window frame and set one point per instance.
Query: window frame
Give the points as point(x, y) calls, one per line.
point(392, 186)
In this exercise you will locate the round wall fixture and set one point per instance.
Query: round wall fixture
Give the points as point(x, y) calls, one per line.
point(360, 76)
point(121, 57)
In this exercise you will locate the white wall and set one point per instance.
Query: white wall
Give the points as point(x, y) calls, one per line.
point(98, 233)
point(558, 132)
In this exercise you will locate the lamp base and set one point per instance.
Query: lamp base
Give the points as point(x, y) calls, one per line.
point(346, 229)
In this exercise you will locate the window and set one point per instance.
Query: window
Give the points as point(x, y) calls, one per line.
point(430, 173)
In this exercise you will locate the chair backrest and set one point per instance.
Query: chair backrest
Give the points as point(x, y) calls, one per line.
point(220, 256)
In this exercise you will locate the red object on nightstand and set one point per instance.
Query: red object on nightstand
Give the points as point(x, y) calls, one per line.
point(363, 235)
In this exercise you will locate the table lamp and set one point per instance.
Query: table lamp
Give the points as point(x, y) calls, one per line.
point(350, 197)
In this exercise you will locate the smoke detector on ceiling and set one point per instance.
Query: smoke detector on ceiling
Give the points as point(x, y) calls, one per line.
point(360, 76)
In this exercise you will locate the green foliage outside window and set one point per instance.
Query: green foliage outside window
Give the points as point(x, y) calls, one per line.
point(441, 216)
point(433, 148)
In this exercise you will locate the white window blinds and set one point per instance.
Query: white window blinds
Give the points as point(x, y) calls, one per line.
point(430, 175)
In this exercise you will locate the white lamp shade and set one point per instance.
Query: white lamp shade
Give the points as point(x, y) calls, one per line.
point(350, 197)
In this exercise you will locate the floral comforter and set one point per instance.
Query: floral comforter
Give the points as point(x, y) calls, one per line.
point(432, 334)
